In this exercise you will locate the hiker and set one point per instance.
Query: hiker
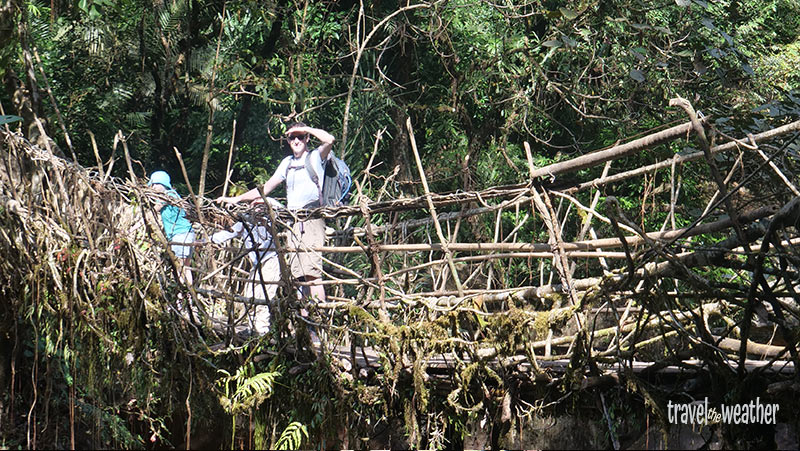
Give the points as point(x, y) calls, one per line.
point(265, 269)
point(301, 192)
point(177, 228)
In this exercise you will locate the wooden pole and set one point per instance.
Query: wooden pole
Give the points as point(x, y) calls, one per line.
point(201, 189)
point(195, 199)
point(230, 157)
point(622, 150)
point(680, 159)
point(586, 245)
point(432, 208)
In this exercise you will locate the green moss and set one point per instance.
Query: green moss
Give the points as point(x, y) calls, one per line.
point(553, 319)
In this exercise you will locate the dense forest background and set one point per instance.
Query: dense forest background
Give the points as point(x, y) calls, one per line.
point(476, 78)
point(222, 79)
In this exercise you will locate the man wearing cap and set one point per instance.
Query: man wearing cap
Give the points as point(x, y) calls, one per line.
point(302, 191)
point(177, 228)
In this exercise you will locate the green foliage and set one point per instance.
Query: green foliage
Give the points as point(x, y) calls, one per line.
point(114, 428)
point(292, 437)
point(93, 8)
point(249, 389)
point(477, 80)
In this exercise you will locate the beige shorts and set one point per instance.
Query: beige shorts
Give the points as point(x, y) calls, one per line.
point(305, 235)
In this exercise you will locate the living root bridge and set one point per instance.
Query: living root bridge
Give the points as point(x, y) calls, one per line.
point(573, 292)
point(572, 249)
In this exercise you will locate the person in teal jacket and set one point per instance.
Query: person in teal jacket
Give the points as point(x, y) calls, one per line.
point(177, 228)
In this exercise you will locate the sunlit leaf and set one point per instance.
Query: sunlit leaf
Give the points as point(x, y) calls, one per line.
point(292, 437)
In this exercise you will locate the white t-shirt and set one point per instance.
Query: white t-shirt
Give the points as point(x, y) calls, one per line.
point(300, 188)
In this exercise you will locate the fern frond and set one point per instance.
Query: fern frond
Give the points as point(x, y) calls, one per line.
point(137, 119)
point(93, 37)
point(292, 437)
point(122, 93)
point(198, 93)
point(258, 387)
point(249, 392)
point(200, 59)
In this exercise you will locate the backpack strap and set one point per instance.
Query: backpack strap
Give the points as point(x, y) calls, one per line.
point(314, 177)
point(288, 164)
point(311, 173)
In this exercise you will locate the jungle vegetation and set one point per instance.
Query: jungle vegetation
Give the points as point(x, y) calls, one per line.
point(219, 81)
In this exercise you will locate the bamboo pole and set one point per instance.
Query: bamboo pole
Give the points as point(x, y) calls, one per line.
point(195, 199)
point(700, 133)
point(777, 171)
point(550, 217)
point(201, 189)
point(96, 153)
point(119, 137)
point(432, 208)
point(375, 259)
point(622, 150)
point(230, 157)
point(585, 245)
point(680, 159)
